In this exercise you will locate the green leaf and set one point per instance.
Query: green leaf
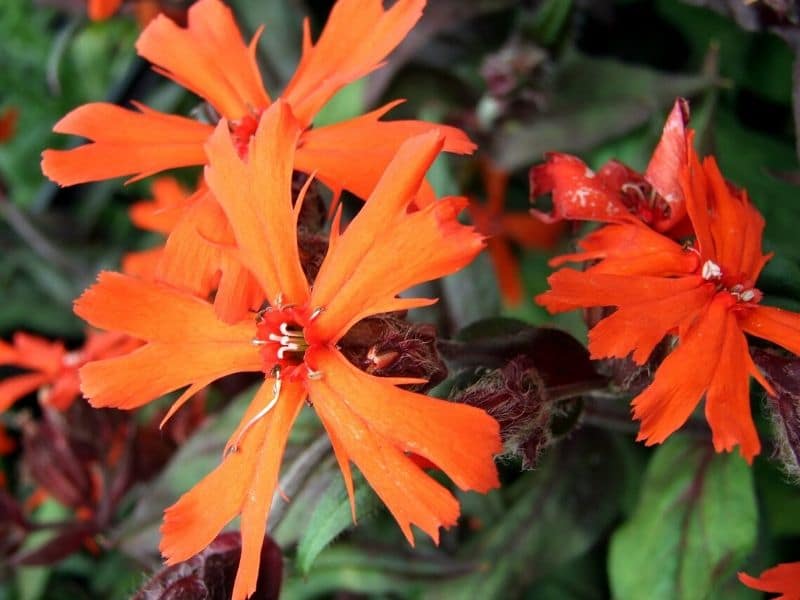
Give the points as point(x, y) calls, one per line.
point(139, 535)
point(594, 100)
point(371, 571)
point(695, 522)
point(553, 515)
point(332, 515)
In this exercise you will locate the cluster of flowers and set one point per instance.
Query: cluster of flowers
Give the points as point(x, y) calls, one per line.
point(247, 281)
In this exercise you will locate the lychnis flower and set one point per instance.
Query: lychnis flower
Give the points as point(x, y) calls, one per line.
point(704, 293)
point(370, 421)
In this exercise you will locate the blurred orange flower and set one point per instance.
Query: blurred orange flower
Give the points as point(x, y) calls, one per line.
point(370, 421)
point(54, 369)
point(503, 228)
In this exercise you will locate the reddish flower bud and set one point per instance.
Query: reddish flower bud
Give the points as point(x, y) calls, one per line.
point(517, 398)
point(389, 346)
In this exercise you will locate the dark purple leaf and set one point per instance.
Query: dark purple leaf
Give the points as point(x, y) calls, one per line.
point(69, 539)
point(210, 574)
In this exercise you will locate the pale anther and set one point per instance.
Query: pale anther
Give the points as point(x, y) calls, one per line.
point(711, 270)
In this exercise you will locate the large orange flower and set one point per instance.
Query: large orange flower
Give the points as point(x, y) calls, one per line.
point(53, 368)
point(371, 422)
point(209, 58)
point(783, 579)
point(703, 293)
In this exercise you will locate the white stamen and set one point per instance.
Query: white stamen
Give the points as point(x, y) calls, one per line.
point(711, 270)
point(747, 295)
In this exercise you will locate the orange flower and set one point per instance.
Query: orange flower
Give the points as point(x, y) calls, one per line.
point(704, 294)
point(617, 193)
point(54, 370)
point(371, 422)
point(502, 227)
point(210, 59)
point(783, 579)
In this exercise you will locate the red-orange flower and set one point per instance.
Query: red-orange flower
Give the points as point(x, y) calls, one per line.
point(371, 422)
point(783, 579)
point(209, 58)
point(502, 228)
point(54, 369)
point(616, 193)
point(703, 293)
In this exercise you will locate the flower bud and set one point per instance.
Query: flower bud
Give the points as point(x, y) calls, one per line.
point(387, 345)
point(517, 398)
point(783, 372)
point(210, 574)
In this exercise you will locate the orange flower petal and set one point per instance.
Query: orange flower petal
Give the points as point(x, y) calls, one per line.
point(413, 422)
point(208, 57)
point(256, 197)
point(14, 388)
point(331, 151)
point(530, 232)
point(679, 382)
point(638, 328)
point(161, 214)
point(155, 312)
point(783, 579)
point(33, 352)
point(142, 264)
point(728, 395)
point(695, 191)
point(257, 501)
point(507, 270)
point(124, 142)
point(386, 249)
point(199, 257)
point(201, 513)
point(65, 389)
point(575, 289)
point(358, 35)
point(578, 194)
point(377, 435)
point(176, 325)
point(773, 324)
point(632, 249)
point(668, 159)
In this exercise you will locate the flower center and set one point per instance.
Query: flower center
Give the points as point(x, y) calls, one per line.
point(741, 292)
point(641, 199)
point(281, 338)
